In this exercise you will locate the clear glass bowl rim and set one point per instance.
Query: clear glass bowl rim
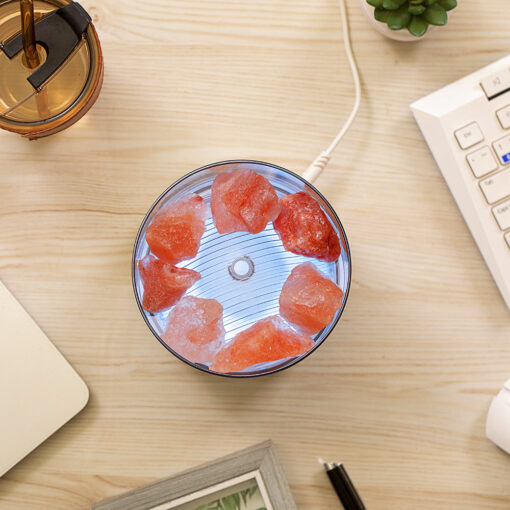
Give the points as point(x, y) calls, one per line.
point(141, 230)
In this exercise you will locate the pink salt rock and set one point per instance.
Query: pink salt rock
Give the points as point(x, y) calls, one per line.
point(309, 299)
point(243, 201)
point(163, 283)
point(304, 228)
point(195, 329)
point(269, 339)
point(175, 232)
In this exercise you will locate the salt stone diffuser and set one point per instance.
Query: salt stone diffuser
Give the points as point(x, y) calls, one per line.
point(51, 65)
point(244, 272)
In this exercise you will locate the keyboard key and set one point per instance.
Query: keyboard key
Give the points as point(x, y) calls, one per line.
point(502, 215)
point(496, 187)
point(504, 117)
point(496, 83)
point(507, 237)
point(469, 135)
point(502, 148)
point(482, 161)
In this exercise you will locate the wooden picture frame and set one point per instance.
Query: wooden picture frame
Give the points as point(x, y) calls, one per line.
point(258, 464)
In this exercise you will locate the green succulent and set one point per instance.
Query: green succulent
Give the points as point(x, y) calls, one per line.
point(415, 15)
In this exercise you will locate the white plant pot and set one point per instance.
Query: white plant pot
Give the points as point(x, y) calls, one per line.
point(397, 35)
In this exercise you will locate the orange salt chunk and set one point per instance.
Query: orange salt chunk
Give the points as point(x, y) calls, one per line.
point(269, 339)
point(304, 228)
point(243, 201)
point(195, 329)
point(309, 299)
point(175, 232)
point(163, 283)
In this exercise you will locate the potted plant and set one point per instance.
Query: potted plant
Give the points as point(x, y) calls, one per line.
point(407, 20)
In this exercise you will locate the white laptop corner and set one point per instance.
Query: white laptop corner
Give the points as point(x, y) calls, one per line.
point(39, 390)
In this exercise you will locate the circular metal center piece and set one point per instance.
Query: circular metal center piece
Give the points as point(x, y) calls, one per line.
point(241, 268)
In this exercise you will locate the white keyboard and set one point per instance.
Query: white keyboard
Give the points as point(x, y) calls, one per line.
point(467, 127)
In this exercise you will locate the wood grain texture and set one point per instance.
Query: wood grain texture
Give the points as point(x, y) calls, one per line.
point(400, 390)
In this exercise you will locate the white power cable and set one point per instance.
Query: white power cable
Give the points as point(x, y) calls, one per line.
point(320, 163)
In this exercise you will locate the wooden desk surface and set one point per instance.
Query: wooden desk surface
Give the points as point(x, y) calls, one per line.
point(399, 392)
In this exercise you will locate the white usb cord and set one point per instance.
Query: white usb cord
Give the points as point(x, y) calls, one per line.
point(320, 163)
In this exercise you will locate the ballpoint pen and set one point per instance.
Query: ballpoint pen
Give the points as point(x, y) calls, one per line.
point(343, 486)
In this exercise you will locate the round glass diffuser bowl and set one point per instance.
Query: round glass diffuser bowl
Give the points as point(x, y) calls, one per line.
point(67, 95)
point(261, 258)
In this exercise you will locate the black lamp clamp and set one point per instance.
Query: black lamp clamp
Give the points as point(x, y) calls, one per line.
point(58, 33)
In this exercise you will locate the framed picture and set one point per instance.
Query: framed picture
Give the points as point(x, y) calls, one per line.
point(251, 479)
